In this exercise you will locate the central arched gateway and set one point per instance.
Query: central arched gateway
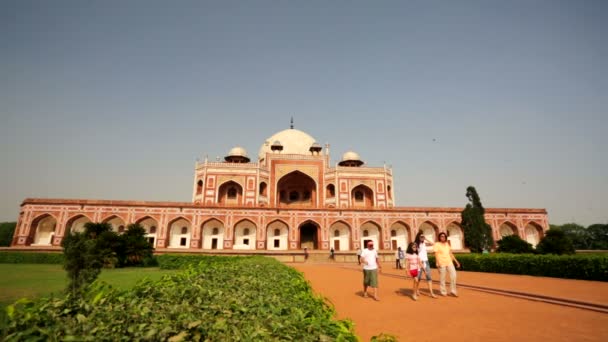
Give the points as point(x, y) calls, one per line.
point(296, 189)
point(309, 235)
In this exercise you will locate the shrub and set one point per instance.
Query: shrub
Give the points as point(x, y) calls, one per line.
point(177, 261)
point(83, 260)
point(86, 253)
point(514, 244)
point(220, 299)
point(555, 241)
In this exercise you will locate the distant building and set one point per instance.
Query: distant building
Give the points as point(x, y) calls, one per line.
point(289, 199)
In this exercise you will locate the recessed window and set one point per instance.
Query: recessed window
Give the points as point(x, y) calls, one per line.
point(246, 231)
point(182, 241)
point(153, 230)
point(365, 233)
point(277, 232)
point(331, 190)
point(121, 229)
point(184, 230)
point(336, 233)
point(199, 187)
point(263, 189)
point(246, 242)
point(232, 193)
point(393, 233)
point(358, 196)
point(215, 231)
point(294, 196)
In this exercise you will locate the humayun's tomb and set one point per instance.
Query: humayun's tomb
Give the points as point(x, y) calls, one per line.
point(290, 199)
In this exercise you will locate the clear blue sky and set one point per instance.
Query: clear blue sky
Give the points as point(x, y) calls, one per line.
point(116, 99)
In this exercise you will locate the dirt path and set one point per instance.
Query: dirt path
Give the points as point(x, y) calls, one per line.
point(473, 316)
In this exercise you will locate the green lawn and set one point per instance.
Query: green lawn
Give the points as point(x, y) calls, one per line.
point(29, 280)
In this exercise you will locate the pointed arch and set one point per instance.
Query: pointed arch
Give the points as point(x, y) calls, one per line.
point(330, 190)
point(507, 228)
point(362, 196)
point(42, 230)
point(277, 220)
point(263, 189)
point(179, 231)
point(401, 235)
point(277, 235)
point(309, 220)
point(309, 234)
point(430, 230)
point(533, 233)
point(455, 235)
point(370, 230)
point(296, 189)
point(117, 222)
point(245, 234)
point(213, 234)
point(340, 233)
point(150, 224)
point(113, 216)
point(230, 193)
point(219, 221)
point(76, 223)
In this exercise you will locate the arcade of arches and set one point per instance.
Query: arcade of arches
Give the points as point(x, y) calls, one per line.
point(188, 232)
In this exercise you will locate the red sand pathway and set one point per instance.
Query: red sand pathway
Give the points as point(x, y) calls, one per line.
point(474, 316)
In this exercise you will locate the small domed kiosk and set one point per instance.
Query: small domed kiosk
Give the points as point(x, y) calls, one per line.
point(351, 158)
point(237, 155)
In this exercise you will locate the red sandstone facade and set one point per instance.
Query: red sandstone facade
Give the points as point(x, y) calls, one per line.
point(290, 199)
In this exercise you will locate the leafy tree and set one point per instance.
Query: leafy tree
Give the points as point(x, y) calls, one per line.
point(85, 254)
point(7, 229)
point(579, 235)
point(134, 248)
point(598, 234)
point(593, 237)
point(514, 244)
point(555, 241)
point(477, 233)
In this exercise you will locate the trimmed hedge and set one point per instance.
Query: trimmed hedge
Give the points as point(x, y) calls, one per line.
point(30, 258)
point(220, 299)
point(580, 266)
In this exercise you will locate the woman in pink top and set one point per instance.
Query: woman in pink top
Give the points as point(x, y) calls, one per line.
point(413, 265)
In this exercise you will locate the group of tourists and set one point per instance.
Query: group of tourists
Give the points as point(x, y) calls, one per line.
point(416, 264)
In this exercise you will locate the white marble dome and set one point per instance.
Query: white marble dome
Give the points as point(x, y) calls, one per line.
point(294, 142)
point(237, 151)
point(350, 155)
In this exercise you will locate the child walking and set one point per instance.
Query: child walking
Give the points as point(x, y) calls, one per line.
point(412, 265)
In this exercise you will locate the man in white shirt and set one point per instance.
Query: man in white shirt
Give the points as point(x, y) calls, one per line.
point(371, 265)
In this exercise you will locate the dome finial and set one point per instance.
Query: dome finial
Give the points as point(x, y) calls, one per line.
point(291, 123)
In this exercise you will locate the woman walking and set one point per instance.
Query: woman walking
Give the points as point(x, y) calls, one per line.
point(412, 265)
point(444, 258)
point(424, 261)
